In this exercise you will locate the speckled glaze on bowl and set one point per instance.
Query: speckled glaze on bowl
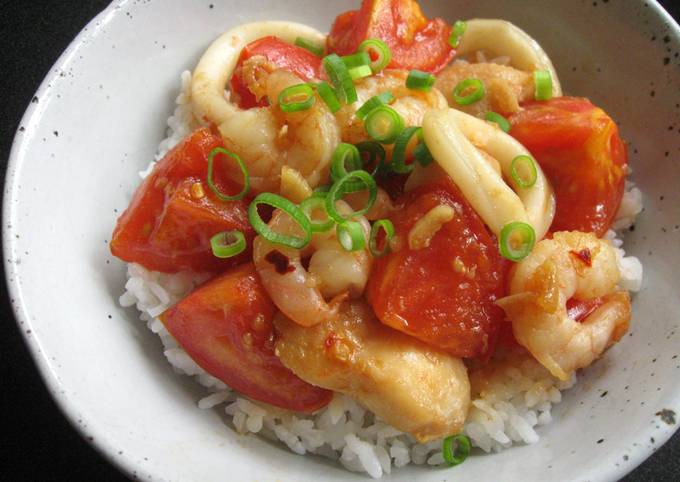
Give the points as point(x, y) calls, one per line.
point(96, 121)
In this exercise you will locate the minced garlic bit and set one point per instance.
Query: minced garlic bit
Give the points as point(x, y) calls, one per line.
point(197, 191)
point(426, 227)
point(293, 185)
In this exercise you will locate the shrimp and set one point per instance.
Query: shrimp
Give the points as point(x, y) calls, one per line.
point(572, 264)
point(505, 86)
point(333, 273)
point(409, 384)
point(265, 138)
point(410, 104)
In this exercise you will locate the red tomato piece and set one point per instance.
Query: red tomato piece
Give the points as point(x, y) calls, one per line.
point(300, 61)
point(443, 294)
point(415, 41)
point(578, 146)
point(173, 214)
point(226, 328)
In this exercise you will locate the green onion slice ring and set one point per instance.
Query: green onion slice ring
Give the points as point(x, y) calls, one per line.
point(340, 78)
point(379, 53)
point(296, 214)
point(384, 124)
point(476, 90)
point(457, 30)
point(399, 154)
point(296, 98)
point(523, 171)
point(388, 228)
point(351, 235)
point(317, 50)
point(228, 244)
point(455, 449)
point(313, 204)
point(338, 190)
point(543, 85)
point(327, 93)
point(419, 80)
point(516, 241)
point(499, 120)
point(211, 167)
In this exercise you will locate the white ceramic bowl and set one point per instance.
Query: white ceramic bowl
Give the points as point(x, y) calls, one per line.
point(96, 121)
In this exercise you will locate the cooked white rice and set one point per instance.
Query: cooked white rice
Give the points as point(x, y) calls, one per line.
point(516, 399)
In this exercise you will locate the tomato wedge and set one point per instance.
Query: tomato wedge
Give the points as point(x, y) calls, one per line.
point(578, 146)
point(415, 41)
point(226, 328)
point(443, 294)
point(173, 214)
point(300, 61)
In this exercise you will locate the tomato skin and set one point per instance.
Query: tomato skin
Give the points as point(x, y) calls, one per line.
point(578, 147)
point(167, 227)
point(415, 41)
point(226, 328)
point(426, 294)
point(300, 61)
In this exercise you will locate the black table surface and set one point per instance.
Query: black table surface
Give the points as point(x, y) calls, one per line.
point(37, 441)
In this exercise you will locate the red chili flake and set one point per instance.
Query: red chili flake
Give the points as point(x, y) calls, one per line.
point(584, 256)
point(280, 261)
point(330, 339)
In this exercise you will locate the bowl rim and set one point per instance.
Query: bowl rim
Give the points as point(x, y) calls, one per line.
point(66, 403)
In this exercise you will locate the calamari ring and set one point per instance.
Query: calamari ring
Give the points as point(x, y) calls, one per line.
point(453, 138)
point(219, 61)
point(504, 38)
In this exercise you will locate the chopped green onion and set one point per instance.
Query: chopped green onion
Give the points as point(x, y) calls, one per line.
point(328, 95)
point(379, 52)
point(317, 50)
point(376, 153)
point(337, 72)
point(211, 183)
point(295, 213)
point(418, 80)
point(296, 98)
point(372, 103)
point(498, 119)
point(475, 94)
point(543, 88)
point(310, 205)
point(517, 240)
point(351, 235)
point(338, 190)
point(523, 171)
point(346, 158)
point(399, 153)
point(384, 124)
point(356, 60)
point(387, 226)
point(227, 244)
point(360, 72)
point(455, 455)
point(457, 31)
point(423, 154)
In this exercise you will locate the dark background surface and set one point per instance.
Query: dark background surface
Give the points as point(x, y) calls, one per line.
point(37, 441)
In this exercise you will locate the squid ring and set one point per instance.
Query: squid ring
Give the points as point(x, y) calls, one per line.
point(218, 63)
point(504, 38)
point(453, 138)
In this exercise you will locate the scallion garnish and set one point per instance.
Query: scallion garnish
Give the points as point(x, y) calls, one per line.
point(543, 89)
point(516, 241)
point(327, 93)
point(379, 53)
point(455, 449)
point(291, 210)
point(360, 72)
point(317, 50)
point(457, 31)
point(475, 89)
point(345, 159)
point(351, 235)
point(338, 190)
point(296, 98)
point(227, 244)
point(523, 171)
point(383, 124)
point(399, 153)
point(339, 76)
point(376, 156)
point(386, 226)
point(356, 60)
point(314, 204)
point(372, 103)
point(211, 167)
point(499, 120)
point(422, 153)
point(419, 80)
